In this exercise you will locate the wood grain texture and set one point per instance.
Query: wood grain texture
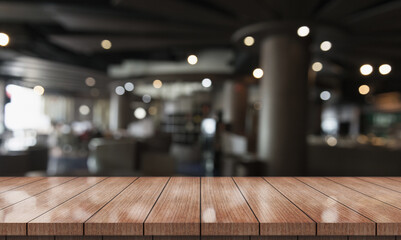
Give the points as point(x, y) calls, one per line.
point(127, 238)
point(332, 218)
point(224, 210)
point(13, 219)
point(387, 218)
point(176, 237)
point(26, 191)
point(69, 217)
point(126, 214)
point(30, 238)
point(371, 238)
point(274, 238)
point(5, 178)
point(372, 190)
point(384, 182)
point(225, 238)
point(395, 178)
point(78, 238)
point(275, 213)
point(323, 238)
point(177, 211)
point(12, 183)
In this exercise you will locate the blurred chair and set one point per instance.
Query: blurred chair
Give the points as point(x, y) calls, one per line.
point(111, 157)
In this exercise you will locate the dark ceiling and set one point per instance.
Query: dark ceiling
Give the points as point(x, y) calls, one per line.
point(70, 32)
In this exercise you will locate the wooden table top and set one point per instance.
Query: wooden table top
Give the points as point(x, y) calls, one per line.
point(194, 206)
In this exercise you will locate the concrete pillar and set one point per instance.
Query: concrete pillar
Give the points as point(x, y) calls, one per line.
point(283, 98)
point(119, 111)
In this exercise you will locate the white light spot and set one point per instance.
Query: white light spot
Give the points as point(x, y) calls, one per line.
point(258, 73)
point(140, 113)
point(325, 46)
point(120, 90)
point(303, 31)
point(317, 66)
point(129, 86)
point(90, 81)
point(84, 110)
point(249, 41)
point(206, 82)
point(366, 69)
point(364, 89)
point(106, 44)
point(4, 39)
point(325, 95)
point(192, 59)
point(39, 90)
point(385, 69)
point(331, 141)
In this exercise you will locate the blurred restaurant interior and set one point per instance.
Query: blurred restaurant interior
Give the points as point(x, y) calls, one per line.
point(200, 88)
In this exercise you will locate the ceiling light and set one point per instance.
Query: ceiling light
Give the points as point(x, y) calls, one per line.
point(364, 89)
point(140, 113)
point(146, 98)
point(385, 69)
point(325, 46)
point(120, 90)
point(129, 86)
point(90, 81)
point(157, 83)
point(366, 69)
point(4, 39)
point(303, 31)
point(84, 110)
point(106, 44)
point(257, 73)
point(325, 95)
point(317, 66)
point(206, 82)
point(39, 90)
point(192, 59)
point(249, 41)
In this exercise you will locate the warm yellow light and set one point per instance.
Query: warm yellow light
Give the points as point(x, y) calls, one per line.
point(331, 141)
point(257, 73)
point(366, 69)
point(106, 44)
point(325, 46)
point(152, 110)
point(39, 90)
point(4, 39)
point(317, 66)
point(249, 41)
point(157, 83)
point(90, 81)
point(364, 89)
point(192, 59)
point(303, 31)
point(385, 69)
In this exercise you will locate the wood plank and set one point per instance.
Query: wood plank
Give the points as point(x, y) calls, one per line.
point(5, 178)
point(127, 238)
point(177, 211)
point(323, 238)
point(30, 238)
point(224, 209)
point(78, 238)
point(126, 214)
point(176, 238)
point(387, 218)
point(17, 182)
point(370, 238)
point(332, 218)
point(69, 217)
point(26, 191)
point(276, 238)
point(384, 182)
point(13, 219)
point(396, 178)
point(226, 238)
point(372, 190)
point(275, 213)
